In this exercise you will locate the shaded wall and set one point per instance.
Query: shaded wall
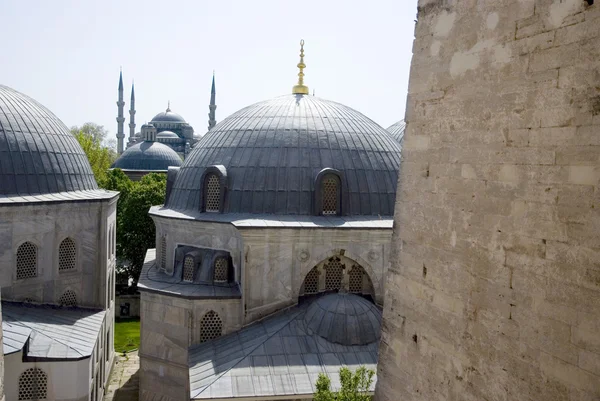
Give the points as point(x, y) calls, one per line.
point(495, 293)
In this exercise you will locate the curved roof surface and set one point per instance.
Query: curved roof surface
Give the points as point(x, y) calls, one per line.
point(167, 134)
point(167, 116)
point(147, 156)
point(344, 319)
point(397, 131)
point(38, 154)
point(273, 150)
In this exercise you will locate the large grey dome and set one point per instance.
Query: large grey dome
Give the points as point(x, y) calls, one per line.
point(38, 154)
point(273, 150)
point(167, 117)
point(344, 319)
point(397, 131)
point(148, 156)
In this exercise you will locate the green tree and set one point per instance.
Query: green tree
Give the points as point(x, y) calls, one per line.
point(100, 157)
point(97, 132)
point(135, 228)
point(354, 386)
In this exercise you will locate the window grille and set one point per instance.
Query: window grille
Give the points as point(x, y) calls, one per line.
point(212, 193)
point(211, 326)
point(163, 252)
point(330, 195)
point(67, 254)
point(311, 282)
point(68, 298)
point(26, 261)
point(33, 384)
point(355, 279)
point(333, 274)
point(188, 269)
point(221, 267)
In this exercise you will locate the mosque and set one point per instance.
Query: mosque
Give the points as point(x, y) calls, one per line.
point(57, 260)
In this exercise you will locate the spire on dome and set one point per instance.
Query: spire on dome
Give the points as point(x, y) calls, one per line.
point(168, 106)
point(300, 88)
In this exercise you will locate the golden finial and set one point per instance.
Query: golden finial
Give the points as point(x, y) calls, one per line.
point(300, 88)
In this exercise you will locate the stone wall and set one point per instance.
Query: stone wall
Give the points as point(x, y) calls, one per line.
point(495, 294)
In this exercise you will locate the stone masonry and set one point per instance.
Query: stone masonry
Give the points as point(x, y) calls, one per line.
point(494, 290)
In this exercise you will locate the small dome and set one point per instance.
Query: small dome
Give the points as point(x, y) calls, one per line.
point(38, 154)
point(345, 319)
point(397, 131)
point(274, 150)
point(168, 117)
point(167, 134)
point(148, 156)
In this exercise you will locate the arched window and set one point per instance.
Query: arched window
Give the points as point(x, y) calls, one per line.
point(212, 193)
point(68, 298)
point(67, 255)
point(311, 282)
point(188, 269)
point(221, 270)
point(26, 261)
point(163, 252)
point(355, 279)
point(330, 190)
point(211, 326)
point(33, 384)
point(333, 274)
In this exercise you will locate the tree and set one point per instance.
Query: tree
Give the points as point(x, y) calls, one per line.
point(135, 228)
point(354, 386)
point(100, 157)
point(97, 132)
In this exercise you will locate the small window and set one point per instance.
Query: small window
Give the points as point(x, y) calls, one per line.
point(333, 274)
point(163, 252)
point(26, 261)
point(311, 282)
point(355, 279)
point(188, 269)
point(33, 384)
point(68, 298)
point(212, 194)
point(211, 326)
point(331, 192)
point(67, 255)
point(221, 269)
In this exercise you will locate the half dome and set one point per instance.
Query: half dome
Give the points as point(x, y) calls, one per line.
point(274, 150)
point(148, 156)
point(397, 131)
point(38, 153)
point(167, 134)
point(344, 319)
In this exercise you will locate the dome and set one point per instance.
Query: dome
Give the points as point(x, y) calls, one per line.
point(167, 117)
point(38, 154)
point(397, 131)
point(345, 319)
point(273, 150)
point(167, 134)
point(148, 156)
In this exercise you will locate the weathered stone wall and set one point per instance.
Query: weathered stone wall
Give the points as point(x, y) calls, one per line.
point(495, 294)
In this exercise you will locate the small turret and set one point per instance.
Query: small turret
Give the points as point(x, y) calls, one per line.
point(149, 132)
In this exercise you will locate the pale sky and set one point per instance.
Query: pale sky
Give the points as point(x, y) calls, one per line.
point(67, 54)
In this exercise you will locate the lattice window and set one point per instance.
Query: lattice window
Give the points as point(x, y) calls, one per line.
point(211, 326)
point(163, 252)
point(67, 254)
point(330, 195)
point(221, 268)
point(212, 193)
point(333, 274)
point(188, 269)
point(26, 261)
point(311, 282)
point(33, 384)
point(355, 279)
point(68, 298)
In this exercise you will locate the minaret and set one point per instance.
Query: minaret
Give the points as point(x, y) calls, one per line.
point(120, 118)
point(132, 117)
point(300, 88)
point(212, 107)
